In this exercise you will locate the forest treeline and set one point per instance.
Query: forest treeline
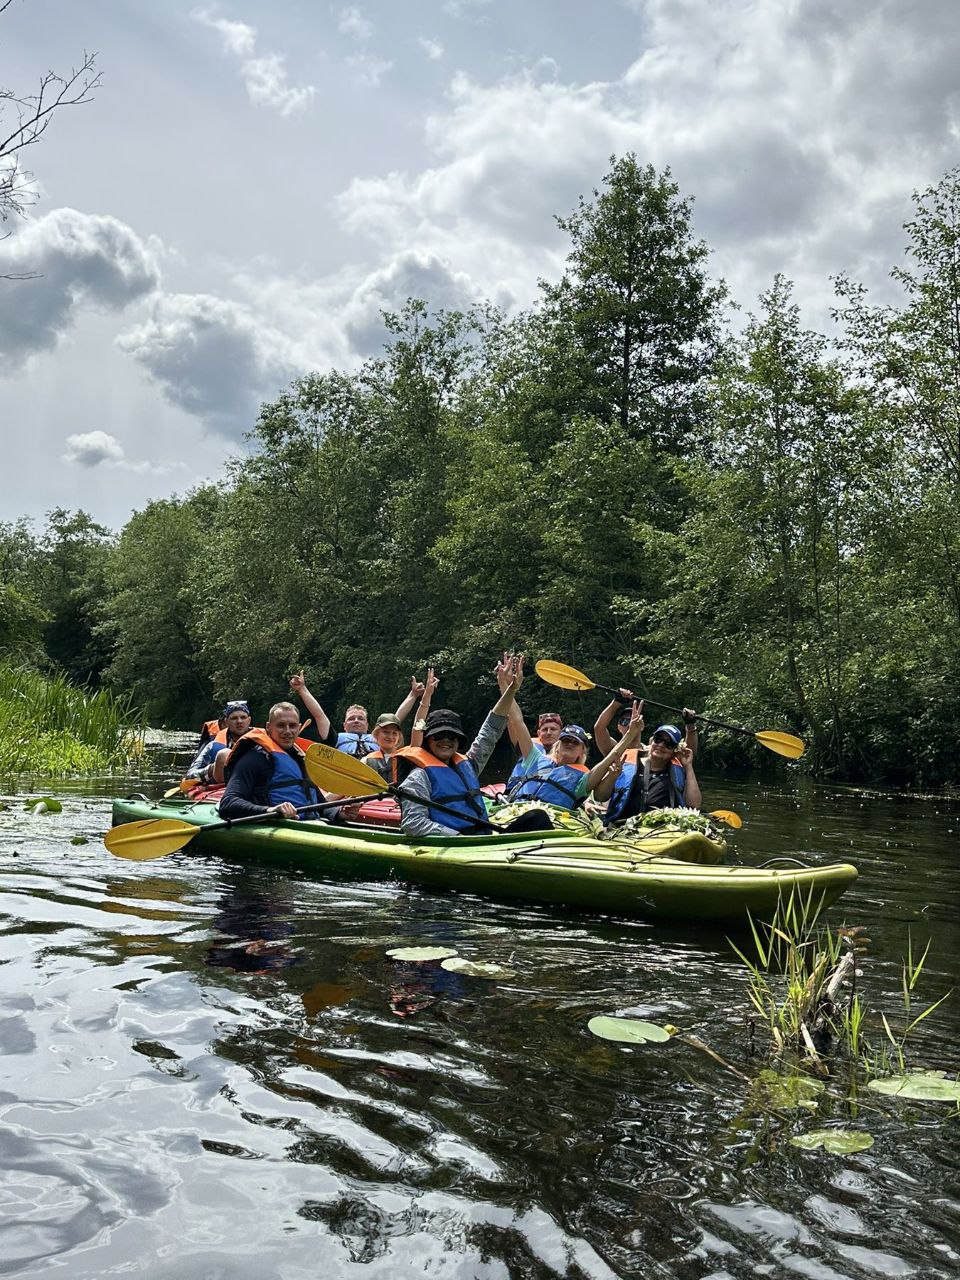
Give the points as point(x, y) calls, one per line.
point(750, 518)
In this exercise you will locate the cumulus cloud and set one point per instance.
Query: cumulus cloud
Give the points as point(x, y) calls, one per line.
point(432, 48)
point(78, 260)
point(352, 23)
point(264, 76)
point(801, 131)
point(212, 357)
point(91, 448)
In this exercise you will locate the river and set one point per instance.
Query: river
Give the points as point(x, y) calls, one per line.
point(213, 1071)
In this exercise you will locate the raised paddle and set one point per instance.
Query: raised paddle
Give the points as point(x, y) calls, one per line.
point(156, 837)
point(564, 677)
point(332, 770)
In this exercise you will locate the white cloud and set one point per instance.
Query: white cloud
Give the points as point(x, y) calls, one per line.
point(264, 76)
point(91, 448)
point(801, 131)
point(368, 69)
point(432, 48)
point(213, 358)
point(79, 260)
point(352, 23)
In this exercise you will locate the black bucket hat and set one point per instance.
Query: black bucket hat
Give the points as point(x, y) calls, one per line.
point(444, 721)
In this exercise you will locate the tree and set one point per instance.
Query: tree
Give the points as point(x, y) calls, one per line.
point(774, 571)
point(25, 118)
point(76, 551)
point(634, 321)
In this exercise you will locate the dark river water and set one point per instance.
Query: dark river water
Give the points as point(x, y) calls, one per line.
point(212, 1070)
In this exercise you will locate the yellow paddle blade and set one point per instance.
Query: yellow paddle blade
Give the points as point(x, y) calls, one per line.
point(784, 744)
point(728, 816)
point(149, 838)
point(332, 770)
point(562, 676)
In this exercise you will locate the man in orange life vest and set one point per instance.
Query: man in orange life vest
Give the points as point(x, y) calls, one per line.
point(236, 721)
point(266, 773)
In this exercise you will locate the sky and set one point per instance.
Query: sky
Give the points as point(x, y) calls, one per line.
point(252, 184)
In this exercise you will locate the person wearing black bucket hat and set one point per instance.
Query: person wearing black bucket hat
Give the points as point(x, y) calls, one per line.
point(446, 770)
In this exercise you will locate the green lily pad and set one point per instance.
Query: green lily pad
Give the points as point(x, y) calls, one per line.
point(839, 1142)
point(788, 1092)
point(921, 1086)
point(627, 1030)
point(44, 804)
point(79, 840)
point(421, 954)
point(476, 968)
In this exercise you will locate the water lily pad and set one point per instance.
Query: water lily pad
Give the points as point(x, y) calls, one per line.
point(79, 840)
point(840, 1142)
point(921, 1086)
point(788, 1092)
point(421, 954)
point(477, 968)
point(44, 804)
point(627, 1030)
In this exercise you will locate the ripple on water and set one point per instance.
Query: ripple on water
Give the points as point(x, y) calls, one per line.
point(209, 1070)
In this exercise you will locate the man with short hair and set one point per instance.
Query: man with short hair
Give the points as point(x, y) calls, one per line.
point(266, 773)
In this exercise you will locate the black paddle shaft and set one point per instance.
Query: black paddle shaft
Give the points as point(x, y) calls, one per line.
point(678, 711)
point(310, 808)
point(443, 808)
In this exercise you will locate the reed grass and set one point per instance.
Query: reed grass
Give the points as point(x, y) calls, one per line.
point(50, 726)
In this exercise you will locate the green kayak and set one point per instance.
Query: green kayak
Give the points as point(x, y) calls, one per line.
point(670, 874)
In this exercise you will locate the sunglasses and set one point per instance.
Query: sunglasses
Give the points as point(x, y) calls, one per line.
point(662, 740)
point(443, 736)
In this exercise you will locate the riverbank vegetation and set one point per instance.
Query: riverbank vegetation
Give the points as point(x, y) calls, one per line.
point(748, 517)
point(50, 726)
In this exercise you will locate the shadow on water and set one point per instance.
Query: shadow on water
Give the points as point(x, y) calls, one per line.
point(212, 1070)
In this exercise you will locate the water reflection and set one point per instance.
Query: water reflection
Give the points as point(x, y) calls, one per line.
point(212, 1070)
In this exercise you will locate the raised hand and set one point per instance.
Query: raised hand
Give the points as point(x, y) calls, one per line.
point(416, 687)
point(432, 680)
point(504, 672)
point(297, 682)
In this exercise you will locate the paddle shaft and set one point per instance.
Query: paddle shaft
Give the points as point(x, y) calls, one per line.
point(720, 724)
point(443, 808)
point(309, 808)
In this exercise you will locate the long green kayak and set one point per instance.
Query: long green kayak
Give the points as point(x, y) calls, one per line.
point(669, 874)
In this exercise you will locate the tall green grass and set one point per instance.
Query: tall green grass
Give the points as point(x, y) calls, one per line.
point(50, 726)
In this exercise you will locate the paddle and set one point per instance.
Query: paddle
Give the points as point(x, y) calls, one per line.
point(332, 770)
point(728, 816)
point(564, 677)
point(156, 837)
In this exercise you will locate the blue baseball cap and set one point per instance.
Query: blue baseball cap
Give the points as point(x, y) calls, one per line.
point(577, 734)
point(237, 705)
point(672, 732)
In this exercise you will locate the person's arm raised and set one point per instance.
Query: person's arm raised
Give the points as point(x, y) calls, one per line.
point(416, 736)
point(603, 775)
point(406, 706)
point(601, 728)
point(692, 795)
point(320, 717)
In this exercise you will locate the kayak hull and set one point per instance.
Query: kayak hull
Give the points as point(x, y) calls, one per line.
point(643, 879)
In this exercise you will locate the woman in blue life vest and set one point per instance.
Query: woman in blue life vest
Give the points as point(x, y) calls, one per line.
point(266, 772)
point(388, 731)
point(561, 776)
point(663, 779)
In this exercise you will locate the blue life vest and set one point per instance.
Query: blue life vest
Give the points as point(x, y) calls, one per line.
point(623, 788)
point(518, 772)
point(357, 744)
point(550, 783)
point(288, 780)
point(455, 785)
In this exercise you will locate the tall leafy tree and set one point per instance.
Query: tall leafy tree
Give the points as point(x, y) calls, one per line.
point(635, 317)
